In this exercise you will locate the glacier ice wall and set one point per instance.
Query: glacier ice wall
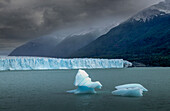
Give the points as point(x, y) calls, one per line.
point(34, 63)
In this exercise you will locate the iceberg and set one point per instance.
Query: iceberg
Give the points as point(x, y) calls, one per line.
point(35, 63)
point(135, 85)
point(135, 90)
point(82, 90)
point(84, 83)
point(127, 63)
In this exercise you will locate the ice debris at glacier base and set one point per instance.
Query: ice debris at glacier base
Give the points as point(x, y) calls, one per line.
point(127, 63)
point(135, 90)
point(34, 63)
point(84, 83)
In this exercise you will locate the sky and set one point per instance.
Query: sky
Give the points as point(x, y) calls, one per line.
point(24, 20)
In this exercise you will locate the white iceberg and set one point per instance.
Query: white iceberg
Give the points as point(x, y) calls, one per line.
point(135, 90)
point(135, 85)
point(84, 83)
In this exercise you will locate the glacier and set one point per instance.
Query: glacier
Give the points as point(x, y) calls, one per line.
point(84, 83)
point(35, 63)
point(134, 89)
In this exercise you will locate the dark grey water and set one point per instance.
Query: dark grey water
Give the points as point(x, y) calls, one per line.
point(46, 90)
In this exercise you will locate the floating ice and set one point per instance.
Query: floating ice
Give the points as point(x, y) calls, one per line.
point(82, 90)
point(131, 86)
point(127, 63)
point(129, 90)
point(84, 83)
point(34, 63)
point(135, 92)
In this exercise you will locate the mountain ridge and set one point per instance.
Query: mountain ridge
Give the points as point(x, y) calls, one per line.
point(142, 40)
point(52, 46)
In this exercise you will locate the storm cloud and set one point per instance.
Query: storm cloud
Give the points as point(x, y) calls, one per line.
point(23, 20)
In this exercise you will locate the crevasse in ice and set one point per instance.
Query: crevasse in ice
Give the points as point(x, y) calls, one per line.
point(135, 90)
point(84, 83)
point(34, 63)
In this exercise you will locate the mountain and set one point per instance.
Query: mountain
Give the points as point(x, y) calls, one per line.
point(49, 46)
point(143, 38)
point(71, 44)
point(38, 47)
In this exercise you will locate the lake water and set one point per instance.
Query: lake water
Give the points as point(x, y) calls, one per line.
point(46, 90)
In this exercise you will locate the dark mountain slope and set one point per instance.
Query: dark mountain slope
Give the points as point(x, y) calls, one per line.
point(37, 47)
point(72, 44)
point(143, 38)
point(49, 46)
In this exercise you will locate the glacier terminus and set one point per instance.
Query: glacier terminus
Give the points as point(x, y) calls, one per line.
point(42, 63)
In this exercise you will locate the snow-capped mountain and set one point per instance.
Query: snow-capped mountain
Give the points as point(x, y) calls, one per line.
point(147, 14)
point(143, 38)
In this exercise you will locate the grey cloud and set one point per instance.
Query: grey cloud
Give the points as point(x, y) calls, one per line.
point(22, 20)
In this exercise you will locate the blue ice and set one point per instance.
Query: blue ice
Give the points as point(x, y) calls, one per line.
point(135, 92)
point(84, 83)
point(82, 90)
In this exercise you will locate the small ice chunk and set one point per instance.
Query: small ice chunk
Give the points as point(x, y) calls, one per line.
point(84, 83)
point(133, 92)
point(131, 86)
